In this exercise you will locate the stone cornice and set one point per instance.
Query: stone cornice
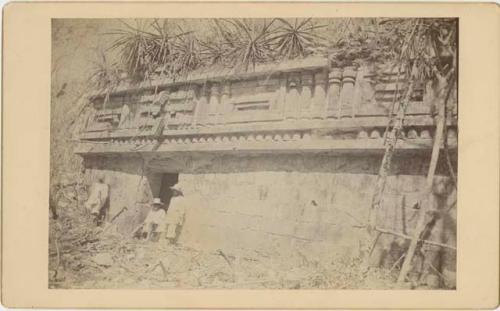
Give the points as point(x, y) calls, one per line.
point(265, 126)
point(297, 140)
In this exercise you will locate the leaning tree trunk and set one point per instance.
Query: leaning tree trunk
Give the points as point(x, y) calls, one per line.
point(391, 141)
point(387, 159)
point(390, 144)
point(426, 200)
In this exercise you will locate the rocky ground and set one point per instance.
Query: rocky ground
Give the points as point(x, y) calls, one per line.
point(82, 255)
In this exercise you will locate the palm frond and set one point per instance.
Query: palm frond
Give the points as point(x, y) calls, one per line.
point(297, 40)
point(105, 73)
point(185, 55)
point(135, 45)
point(248, 41)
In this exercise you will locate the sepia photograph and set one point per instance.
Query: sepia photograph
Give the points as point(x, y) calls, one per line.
point(253, 153)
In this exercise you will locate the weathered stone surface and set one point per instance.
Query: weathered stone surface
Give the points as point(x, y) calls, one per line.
point(131, 186)
point(276, 203)
point(103, 259)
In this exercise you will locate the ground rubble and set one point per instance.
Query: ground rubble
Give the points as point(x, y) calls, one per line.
point(82, 255)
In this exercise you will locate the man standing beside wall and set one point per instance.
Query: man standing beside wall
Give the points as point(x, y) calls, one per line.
point(99, 193)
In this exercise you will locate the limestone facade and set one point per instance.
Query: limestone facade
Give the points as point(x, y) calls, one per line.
point(281, 157)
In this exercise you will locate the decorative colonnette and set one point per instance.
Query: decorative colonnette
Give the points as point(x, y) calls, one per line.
point(300, 94)
point(316, 92)
point(312, 93)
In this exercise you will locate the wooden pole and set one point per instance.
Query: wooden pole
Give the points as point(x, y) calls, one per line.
point(387, 159)
point(425, 203)
point(407, 237)
point(383, 173)
point(390, 139)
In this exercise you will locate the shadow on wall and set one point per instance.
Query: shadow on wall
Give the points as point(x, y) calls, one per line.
point(430, 260)
point(404, 163)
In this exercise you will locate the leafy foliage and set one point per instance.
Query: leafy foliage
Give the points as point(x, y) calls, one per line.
point(216, 47)
point(105, 72)
point(185, 55)
point(297, 40)
point(428, 43)
point(213, 52)
point(163, 46)
point(161, 43)
point(136, 48)
point(249, 41)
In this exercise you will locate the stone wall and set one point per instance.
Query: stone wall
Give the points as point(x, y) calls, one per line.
point(317, 203)
point(278, 202)
point(272, 211)
point(131, 186)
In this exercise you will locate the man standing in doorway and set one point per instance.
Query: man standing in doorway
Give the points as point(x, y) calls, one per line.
point(175, 214)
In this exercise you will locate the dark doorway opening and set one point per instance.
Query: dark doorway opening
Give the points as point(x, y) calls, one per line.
point(167, 181)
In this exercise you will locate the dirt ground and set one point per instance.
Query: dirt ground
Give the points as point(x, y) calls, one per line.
point(82, 255)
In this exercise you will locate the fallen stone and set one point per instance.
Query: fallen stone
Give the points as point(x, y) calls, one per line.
point(103, 259)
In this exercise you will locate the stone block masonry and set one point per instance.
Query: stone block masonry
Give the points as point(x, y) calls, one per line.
point(282, 158)
point(269, 203)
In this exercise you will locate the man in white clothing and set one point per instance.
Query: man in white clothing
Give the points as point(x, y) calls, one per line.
point(98, 197)
point(154, 224)
point(175, 214)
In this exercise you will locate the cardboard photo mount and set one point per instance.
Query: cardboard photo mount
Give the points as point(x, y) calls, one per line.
point(26, 145)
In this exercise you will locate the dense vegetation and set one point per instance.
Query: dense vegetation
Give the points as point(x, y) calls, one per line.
point(146, 46)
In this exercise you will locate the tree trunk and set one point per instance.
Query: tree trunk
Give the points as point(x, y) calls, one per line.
point(426, 201)
point(391, 141)
point(387, 159)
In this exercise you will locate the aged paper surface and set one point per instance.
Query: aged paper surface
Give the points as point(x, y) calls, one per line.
point(219, 158)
